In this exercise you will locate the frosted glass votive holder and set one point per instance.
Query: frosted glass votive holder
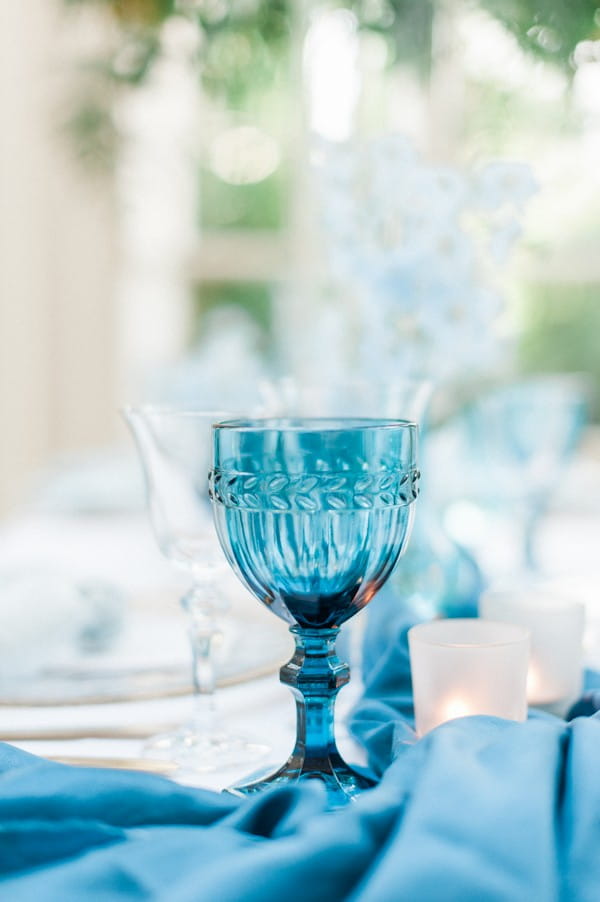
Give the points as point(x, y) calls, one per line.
point(467, 666)
point(556, 624)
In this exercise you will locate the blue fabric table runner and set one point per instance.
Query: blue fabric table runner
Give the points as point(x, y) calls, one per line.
point(480, 809)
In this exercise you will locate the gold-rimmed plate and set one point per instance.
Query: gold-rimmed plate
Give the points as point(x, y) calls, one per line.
point(151, 659)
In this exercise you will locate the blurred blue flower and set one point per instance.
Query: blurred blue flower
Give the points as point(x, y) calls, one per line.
point(419, 247)
point(499, 183)
point(503, 237)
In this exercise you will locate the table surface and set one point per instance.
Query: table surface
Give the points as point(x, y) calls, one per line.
point(121, 548)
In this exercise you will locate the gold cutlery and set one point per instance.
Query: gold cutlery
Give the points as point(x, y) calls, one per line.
point(126, 731)
point(139, 764)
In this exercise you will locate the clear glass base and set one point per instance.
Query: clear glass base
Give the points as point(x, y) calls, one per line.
point(201, 751)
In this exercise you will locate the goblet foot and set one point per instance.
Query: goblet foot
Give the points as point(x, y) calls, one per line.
point(342, 783)
point(197, 750)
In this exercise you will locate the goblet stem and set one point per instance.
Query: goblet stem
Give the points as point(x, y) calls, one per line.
point(315, 675)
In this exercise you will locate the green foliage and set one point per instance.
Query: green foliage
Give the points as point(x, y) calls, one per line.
point(405, 24)
point(237, 62)
point(242, 47)
point(560, 331)
point(246, 41)
point(148, 12)
point(253, 297)
point(256, 206)
point(549, 29)
point(92, 131)
point(243, 52)
point(245, 45)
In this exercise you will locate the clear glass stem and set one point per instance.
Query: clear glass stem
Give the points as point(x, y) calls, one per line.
point(529, 528)
point(203, 631)
point(203, 743)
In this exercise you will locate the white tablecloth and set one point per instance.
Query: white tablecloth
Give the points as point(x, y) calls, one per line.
point(121, 548)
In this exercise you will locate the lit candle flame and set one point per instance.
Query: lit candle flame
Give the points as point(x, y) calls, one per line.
point(533, 683)
point(455, 707)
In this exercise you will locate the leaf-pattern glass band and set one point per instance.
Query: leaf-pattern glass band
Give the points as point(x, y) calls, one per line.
point(313, 491)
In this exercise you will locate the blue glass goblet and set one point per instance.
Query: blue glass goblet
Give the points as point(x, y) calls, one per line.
point(313, 514)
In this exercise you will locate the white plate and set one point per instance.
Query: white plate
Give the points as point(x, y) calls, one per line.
point(152, 659)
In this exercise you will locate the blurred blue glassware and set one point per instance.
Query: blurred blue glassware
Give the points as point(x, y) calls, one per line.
point(517, 440)
point(438, 576)
point(313, 514)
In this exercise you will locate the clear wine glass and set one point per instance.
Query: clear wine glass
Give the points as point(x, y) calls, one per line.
point(175, 449)
point(517, 441)
point(313, 514)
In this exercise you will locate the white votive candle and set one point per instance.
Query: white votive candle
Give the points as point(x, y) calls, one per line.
point(467, 666)
point(556, 625)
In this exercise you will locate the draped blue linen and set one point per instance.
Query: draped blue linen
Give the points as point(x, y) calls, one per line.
point(479, 809)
